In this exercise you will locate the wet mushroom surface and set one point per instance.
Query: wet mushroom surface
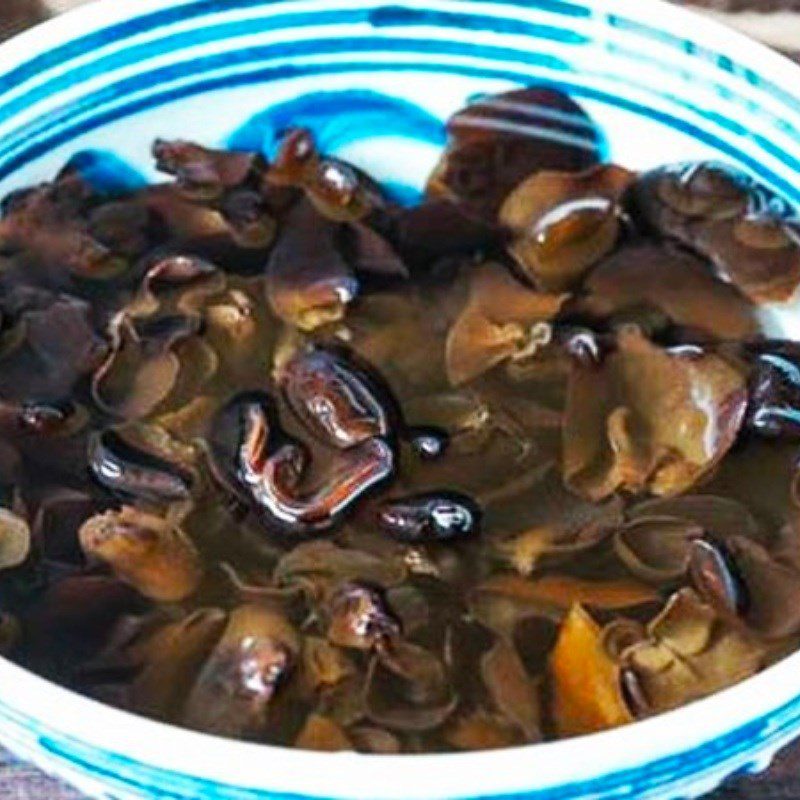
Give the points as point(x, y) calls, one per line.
point(282, 459)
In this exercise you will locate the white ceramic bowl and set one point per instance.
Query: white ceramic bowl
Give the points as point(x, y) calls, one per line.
point(662, 83)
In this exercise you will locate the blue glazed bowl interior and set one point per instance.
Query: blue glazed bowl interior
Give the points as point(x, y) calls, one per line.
point(376, 81)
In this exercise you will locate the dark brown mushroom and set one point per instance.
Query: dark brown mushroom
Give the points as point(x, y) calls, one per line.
point(774, 407)
point(128, 469)
point(324, 665)
point(759, 254)
point(144, 550)
point(170, 659)
point(646, 276)
point(328, 564)
point(499, 140)
point(47, 222)
point(438, 229)
point(743, 579)
point(250, 219)
point(730, 219)
point(649, 419)
point(368, 251)
point(337, 398)
point(432, 517)
point(560, 526)
point(308, 282)
point(690, 653)
point(657, 549)
point(503, 319)
point(135, 378)
point(669, 200)
point(256, 459)
point(234, 690)
point(407, 689)
point(179, 283)
point(337, 189)
point(203, 174)
point(715, 577)
point(360, 618)
point(564, 223)
point(512, 691)
point(481, 731)
point(721, 517)
point(58, 346)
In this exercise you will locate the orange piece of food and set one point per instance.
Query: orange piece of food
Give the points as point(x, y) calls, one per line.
point(586, 692)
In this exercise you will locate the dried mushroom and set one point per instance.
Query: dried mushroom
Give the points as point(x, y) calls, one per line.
point(649, 419)
point(308, 281)
point(564, 223)
point(256, 654)
point(646, 276)
point(499, 140)
point(729, 219)
point(503, 319)
point(146, 551)
point(689, 652)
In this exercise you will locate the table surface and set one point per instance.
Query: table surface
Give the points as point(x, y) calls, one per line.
point(776, 22)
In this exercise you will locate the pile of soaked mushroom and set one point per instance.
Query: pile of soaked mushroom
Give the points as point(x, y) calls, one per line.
point(284, 460)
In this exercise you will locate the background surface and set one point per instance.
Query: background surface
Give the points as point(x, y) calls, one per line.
point(776, 22)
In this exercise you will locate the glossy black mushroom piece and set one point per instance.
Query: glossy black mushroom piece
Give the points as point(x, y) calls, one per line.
point(340, 399)
point(773, 409)
point(269, 469)
point(432, 517)
point(124, 464)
